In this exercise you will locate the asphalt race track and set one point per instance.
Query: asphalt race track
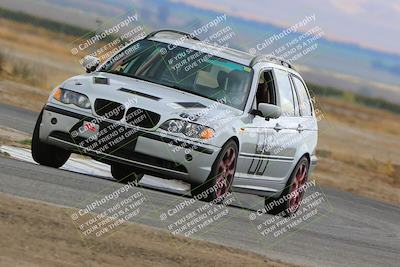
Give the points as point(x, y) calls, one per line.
point(343, 230)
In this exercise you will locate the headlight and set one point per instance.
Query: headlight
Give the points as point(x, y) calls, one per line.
point(187, 128)
point(70, 97)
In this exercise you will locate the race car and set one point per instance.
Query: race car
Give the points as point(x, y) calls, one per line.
point(173, 106)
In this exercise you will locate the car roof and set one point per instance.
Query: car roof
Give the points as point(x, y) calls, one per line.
point(186, 40)
point(223, 52)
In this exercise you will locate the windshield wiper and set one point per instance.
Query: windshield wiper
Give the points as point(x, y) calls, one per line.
point(177, 87)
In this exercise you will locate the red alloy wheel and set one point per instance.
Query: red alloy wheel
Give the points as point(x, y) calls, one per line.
point(299, 180)
point(226, 172)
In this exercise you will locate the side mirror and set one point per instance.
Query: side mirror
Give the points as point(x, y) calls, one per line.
point(90, 63)
point(270, 111)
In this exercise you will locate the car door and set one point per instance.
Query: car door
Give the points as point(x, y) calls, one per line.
point(307, 123)
point(267, 152)
point(253, 159)
point(286, 136)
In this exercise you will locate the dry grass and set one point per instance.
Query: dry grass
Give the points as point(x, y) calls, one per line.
point(44, 61)
point(22, 71)
point(35, 234)
point(359, 150)
point(15, 138)
point(27, 73)
point(360, 116)
point(36, 39)
point(2, 62)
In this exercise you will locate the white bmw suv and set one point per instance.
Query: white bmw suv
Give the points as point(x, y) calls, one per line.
point(172, 106)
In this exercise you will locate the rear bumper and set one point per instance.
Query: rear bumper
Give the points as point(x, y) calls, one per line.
point(153, 152)
point(314, 162)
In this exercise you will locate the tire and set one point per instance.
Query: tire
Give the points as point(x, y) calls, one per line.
point(46, 154)
point(297, 179)
point(125, 174)
point(221, 175)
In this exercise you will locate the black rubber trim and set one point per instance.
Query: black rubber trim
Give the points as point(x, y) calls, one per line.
point(67, 113)
point(133, 92)
point(124, 152)
point(255, 156)
point(144, 134)
point(190, 104)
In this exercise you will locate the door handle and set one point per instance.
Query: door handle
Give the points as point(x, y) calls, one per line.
point(300, 128)
point(278, 127)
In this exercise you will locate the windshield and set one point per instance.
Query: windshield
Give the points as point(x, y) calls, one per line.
point(184, 69)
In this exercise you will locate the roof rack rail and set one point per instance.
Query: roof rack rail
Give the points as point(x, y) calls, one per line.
point(172, 31)
point(273, 59)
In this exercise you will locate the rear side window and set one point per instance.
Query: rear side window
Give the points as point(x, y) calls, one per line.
point(285, 92)
point(304, 100)
point(296, 101)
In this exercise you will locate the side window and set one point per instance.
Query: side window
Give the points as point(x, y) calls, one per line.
point(266, 88)
point(305, 103)
point(285, 92)
point(296, 100)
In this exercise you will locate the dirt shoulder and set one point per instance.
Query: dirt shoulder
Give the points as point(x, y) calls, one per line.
point(12, 137)
point(37, 234)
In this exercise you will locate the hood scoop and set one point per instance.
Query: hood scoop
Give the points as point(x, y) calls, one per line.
point(191, 104)
point(101, 80)
point(133, 92)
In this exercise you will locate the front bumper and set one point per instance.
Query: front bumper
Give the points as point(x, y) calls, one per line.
point(153, 152)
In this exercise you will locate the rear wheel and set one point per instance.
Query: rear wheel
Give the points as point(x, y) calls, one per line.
point(221, 177)
point(293, 190)
point(125, 174)
point(46, 154)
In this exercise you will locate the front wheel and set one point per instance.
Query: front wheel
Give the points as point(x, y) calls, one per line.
point(289, 201)
point(46, 154)
point(220, 180)
point(125, 174)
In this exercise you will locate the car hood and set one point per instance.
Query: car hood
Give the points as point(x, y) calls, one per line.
point(170, 103)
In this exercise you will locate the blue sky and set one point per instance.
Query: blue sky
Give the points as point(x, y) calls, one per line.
point(368, 23)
